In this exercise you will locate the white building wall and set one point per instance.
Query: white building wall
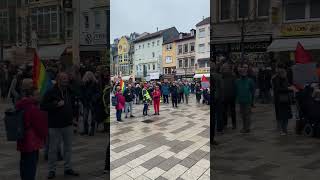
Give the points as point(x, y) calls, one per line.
point(144, 56)
point(203, 40)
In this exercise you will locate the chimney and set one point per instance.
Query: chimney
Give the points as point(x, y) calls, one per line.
point(157, 29)
point(180, 35)
point(192, 32)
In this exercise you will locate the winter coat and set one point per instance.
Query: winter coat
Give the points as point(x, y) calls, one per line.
point(186, 90)
point(165, 89)
point(121, 101)
point(59, 117)
point(35, 125)
point(156, 95)
point(244, 90)
point(128, 94)
point(280, 88)
point(174, 91)
point(228, 86)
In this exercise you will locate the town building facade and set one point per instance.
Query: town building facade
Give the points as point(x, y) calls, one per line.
point(148, 53)
point(169, 59)
point(186, 55)
point(202, 48)
point(293, 22)
point(241, 30)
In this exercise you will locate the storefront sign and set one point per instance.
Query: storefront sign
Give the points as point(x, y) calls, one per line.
point(248, 47)
point(300, 29)
point(202, 71)
point(94, 38)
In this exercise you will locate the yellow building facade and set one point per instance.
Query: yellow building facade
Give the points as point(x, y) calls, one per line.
point(169, 58)
point(123, 56)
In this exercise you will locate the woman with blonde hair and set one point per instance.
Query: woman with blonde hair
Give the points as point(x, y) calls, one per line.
point(89, 97)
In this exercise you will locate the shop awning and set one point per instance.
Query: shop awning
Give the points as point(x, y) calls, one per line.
point(197, 76)
point(280, 45)
point(51, 52)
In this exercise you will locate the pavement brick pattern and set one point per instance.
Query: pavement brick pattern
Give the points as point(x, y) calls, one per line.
point(264, 154)
point(88, 157)
point(174, 145)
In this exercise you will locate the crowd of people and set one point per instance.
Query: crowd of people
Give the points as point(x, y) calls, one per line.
point(238, 83)
point(74, 103)
point(154, 93)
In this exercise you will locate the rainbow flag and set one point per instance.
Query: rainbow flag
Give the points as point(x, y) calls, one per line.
point(41, 80)
point(122, 86)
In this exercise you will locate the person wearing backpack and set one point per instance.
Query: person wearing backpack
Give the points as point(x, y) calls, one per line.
point(35, 131)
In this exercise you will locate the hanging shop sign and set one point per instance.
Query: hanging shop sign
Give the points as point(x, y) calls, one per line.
point(300, 29)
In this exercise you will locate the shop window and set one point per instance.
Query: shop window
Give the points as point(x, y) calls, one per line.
point(263, 7)
point(243, 10)
point(295, 9)
point(225, 7)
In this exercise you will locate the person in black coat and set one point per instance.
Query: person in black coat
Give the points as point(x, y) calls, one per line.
point(174, 94)
point(282, 99)
point(90, 96)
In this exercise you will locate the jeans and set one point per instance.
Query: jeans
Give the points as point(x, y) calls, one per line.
point(128, 107)
point(245, 111)
point(55, 134)
point(118, 114)
point(218, 116)
point(28, 165)
point(145, 109)
point(229, 106)
point(181, 99)
point(174, 101)
point(284, 125)
point(89, 122)
point(165, 99)
point(187, 98)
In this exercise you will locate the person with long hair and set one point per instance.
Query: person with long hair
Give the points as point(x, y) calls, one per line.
point(90, 97)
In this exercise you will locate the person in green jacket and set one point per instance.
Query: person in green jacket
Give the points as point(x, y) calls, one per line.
point(180, 90)
point(186, 91)
point(244, 91)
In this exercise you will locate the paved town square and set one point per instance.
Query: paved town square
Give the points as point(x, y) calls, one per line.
point(174, 145)
point(264, 154)
point(87, 153)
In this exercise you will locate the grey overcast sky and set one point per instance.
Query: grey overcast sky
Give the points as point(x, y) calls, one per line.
point(140, 16)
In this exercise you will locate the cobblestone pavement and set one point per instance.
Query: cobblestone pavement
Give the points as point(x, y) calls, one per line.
point(264, 154)
point(174, 145)
point(88, 157)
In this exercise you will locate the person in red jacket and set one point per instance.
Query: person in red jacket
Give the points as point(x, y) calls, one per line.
point(156, 94)
point(121, 103)
point(36, 131)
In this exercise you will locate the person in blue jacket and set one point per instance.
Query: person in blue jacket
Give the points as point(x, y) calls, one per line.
point(165, 92)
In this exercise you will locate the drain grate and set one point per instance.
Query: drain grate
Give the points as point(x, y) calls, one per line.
point(148, 121)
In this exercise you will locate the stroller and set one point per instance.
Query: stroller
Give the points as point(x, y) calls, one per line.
point(308, 114)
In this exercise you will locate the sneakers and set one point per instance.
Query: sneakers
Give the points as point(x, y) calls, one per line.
point(70, 172)
point(132, 116)
point(51, 175)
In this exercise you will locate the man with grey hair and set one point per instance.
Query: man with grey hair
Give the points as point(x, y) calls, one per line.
point(58, 102)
